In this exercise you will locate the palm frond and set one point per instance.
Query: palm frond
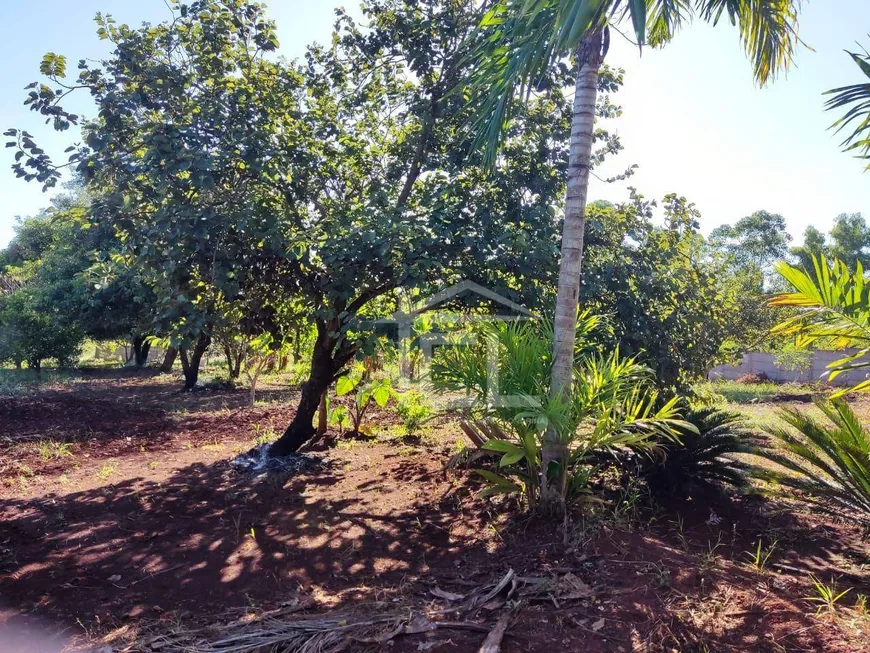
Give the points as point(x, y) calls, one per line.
point(856, 100)
point(664, 19)
point(828, 463)
point(517, 41)
point(706, 455)
point(768, 30)
point(834, 305)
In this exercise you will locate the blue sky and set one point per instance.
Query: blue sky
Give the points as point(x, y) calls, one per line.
point(694, 120)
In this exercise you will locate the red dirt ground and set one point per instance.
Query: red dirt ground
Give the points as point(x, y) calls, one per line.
point(147, 526)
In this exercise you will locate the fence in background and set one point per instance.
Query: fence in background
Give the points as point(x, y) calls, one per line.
point(758, 363)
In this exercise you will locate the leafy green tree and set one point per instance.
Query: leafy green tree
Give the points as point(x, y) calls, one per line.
point(519, 41)
point(815, 245)
point(36, 330)
point(61, 252)
point(850, 239)
point(425, 216)
point(749, 318)
point(759, 239)
point(332, 182)
point(665, 300)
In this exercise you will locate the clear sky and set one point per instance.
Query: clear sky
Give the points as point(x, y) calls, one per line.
point(694, 121)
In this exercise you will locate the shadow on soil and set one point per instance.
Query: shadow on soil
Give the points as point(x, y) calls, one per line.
point(207, 537)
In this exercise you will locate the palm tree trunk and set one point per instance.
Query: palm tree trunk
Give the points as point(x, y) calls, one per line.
point(589, 59)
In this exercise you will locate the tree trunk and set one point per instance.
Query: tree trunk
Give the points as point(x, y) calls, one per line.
point(325, 364)
point(322, 416)
point(169, 360)
point(234, 362)
point(141, 347)
point(297, 346)
point(301, 429)
point(589, 59)
point(190, 361)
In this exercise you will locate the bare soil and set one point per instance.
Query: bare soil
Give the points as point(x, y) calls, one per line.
point(143, 525)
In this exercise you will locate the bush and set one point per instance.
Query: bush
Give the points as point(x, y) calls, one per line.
point(365, 391)
point(828, 463)
point(614, 408)
point(413, 409)
point(703, 458)
point(34, 333)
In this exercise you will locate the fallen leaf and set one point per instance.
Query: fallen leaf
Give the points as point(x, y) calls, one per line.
point(598, 625)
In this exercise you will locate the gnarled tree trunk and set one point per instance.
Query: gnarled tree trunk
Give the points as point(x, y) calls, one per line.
point(191, 359)
point(141, 347)
point(234, 358)
point(589, 59)
point(169, 360)
point(328, 359)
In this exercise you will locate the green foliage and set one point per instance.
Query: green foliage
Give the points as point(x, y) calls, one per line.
point(53, 450)
point(855, 101)
point(760, 556)
point(37, 331)
point(850, 239)
point(750, 318)
point(826, 597)
point(668, 304)
point(815, 244)
point(413, 408)
point(365, 391)
point(792, 358)
point(828, 463)
point(239, 180)
point(264, 434)
point(736, 392)
point(613, 407)
point(758, 240)
point(519, 40)
point(833, 307)
point(58, 257)
point(705, 456)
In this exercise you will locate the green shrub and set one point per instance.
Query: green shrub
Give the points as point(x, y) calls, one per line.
point(614, 408)
point(365, 392)
point(828, 463)
point(705, 457)
point(735, 392)
point(704, 394)
point(413, 408)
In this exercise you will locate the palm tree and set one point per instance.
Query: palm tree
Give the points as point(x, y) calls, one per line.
point(519, 39)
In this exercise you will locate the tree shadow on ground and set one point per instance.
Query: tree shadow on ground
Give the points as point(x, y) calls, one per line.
point(208, 537)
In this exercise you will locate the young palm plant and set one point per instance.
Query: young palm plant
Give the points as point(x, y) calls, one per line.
point(834, 306)
point(519, 39)
point(706, 457)
point(828, 463)
point(613, 407)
